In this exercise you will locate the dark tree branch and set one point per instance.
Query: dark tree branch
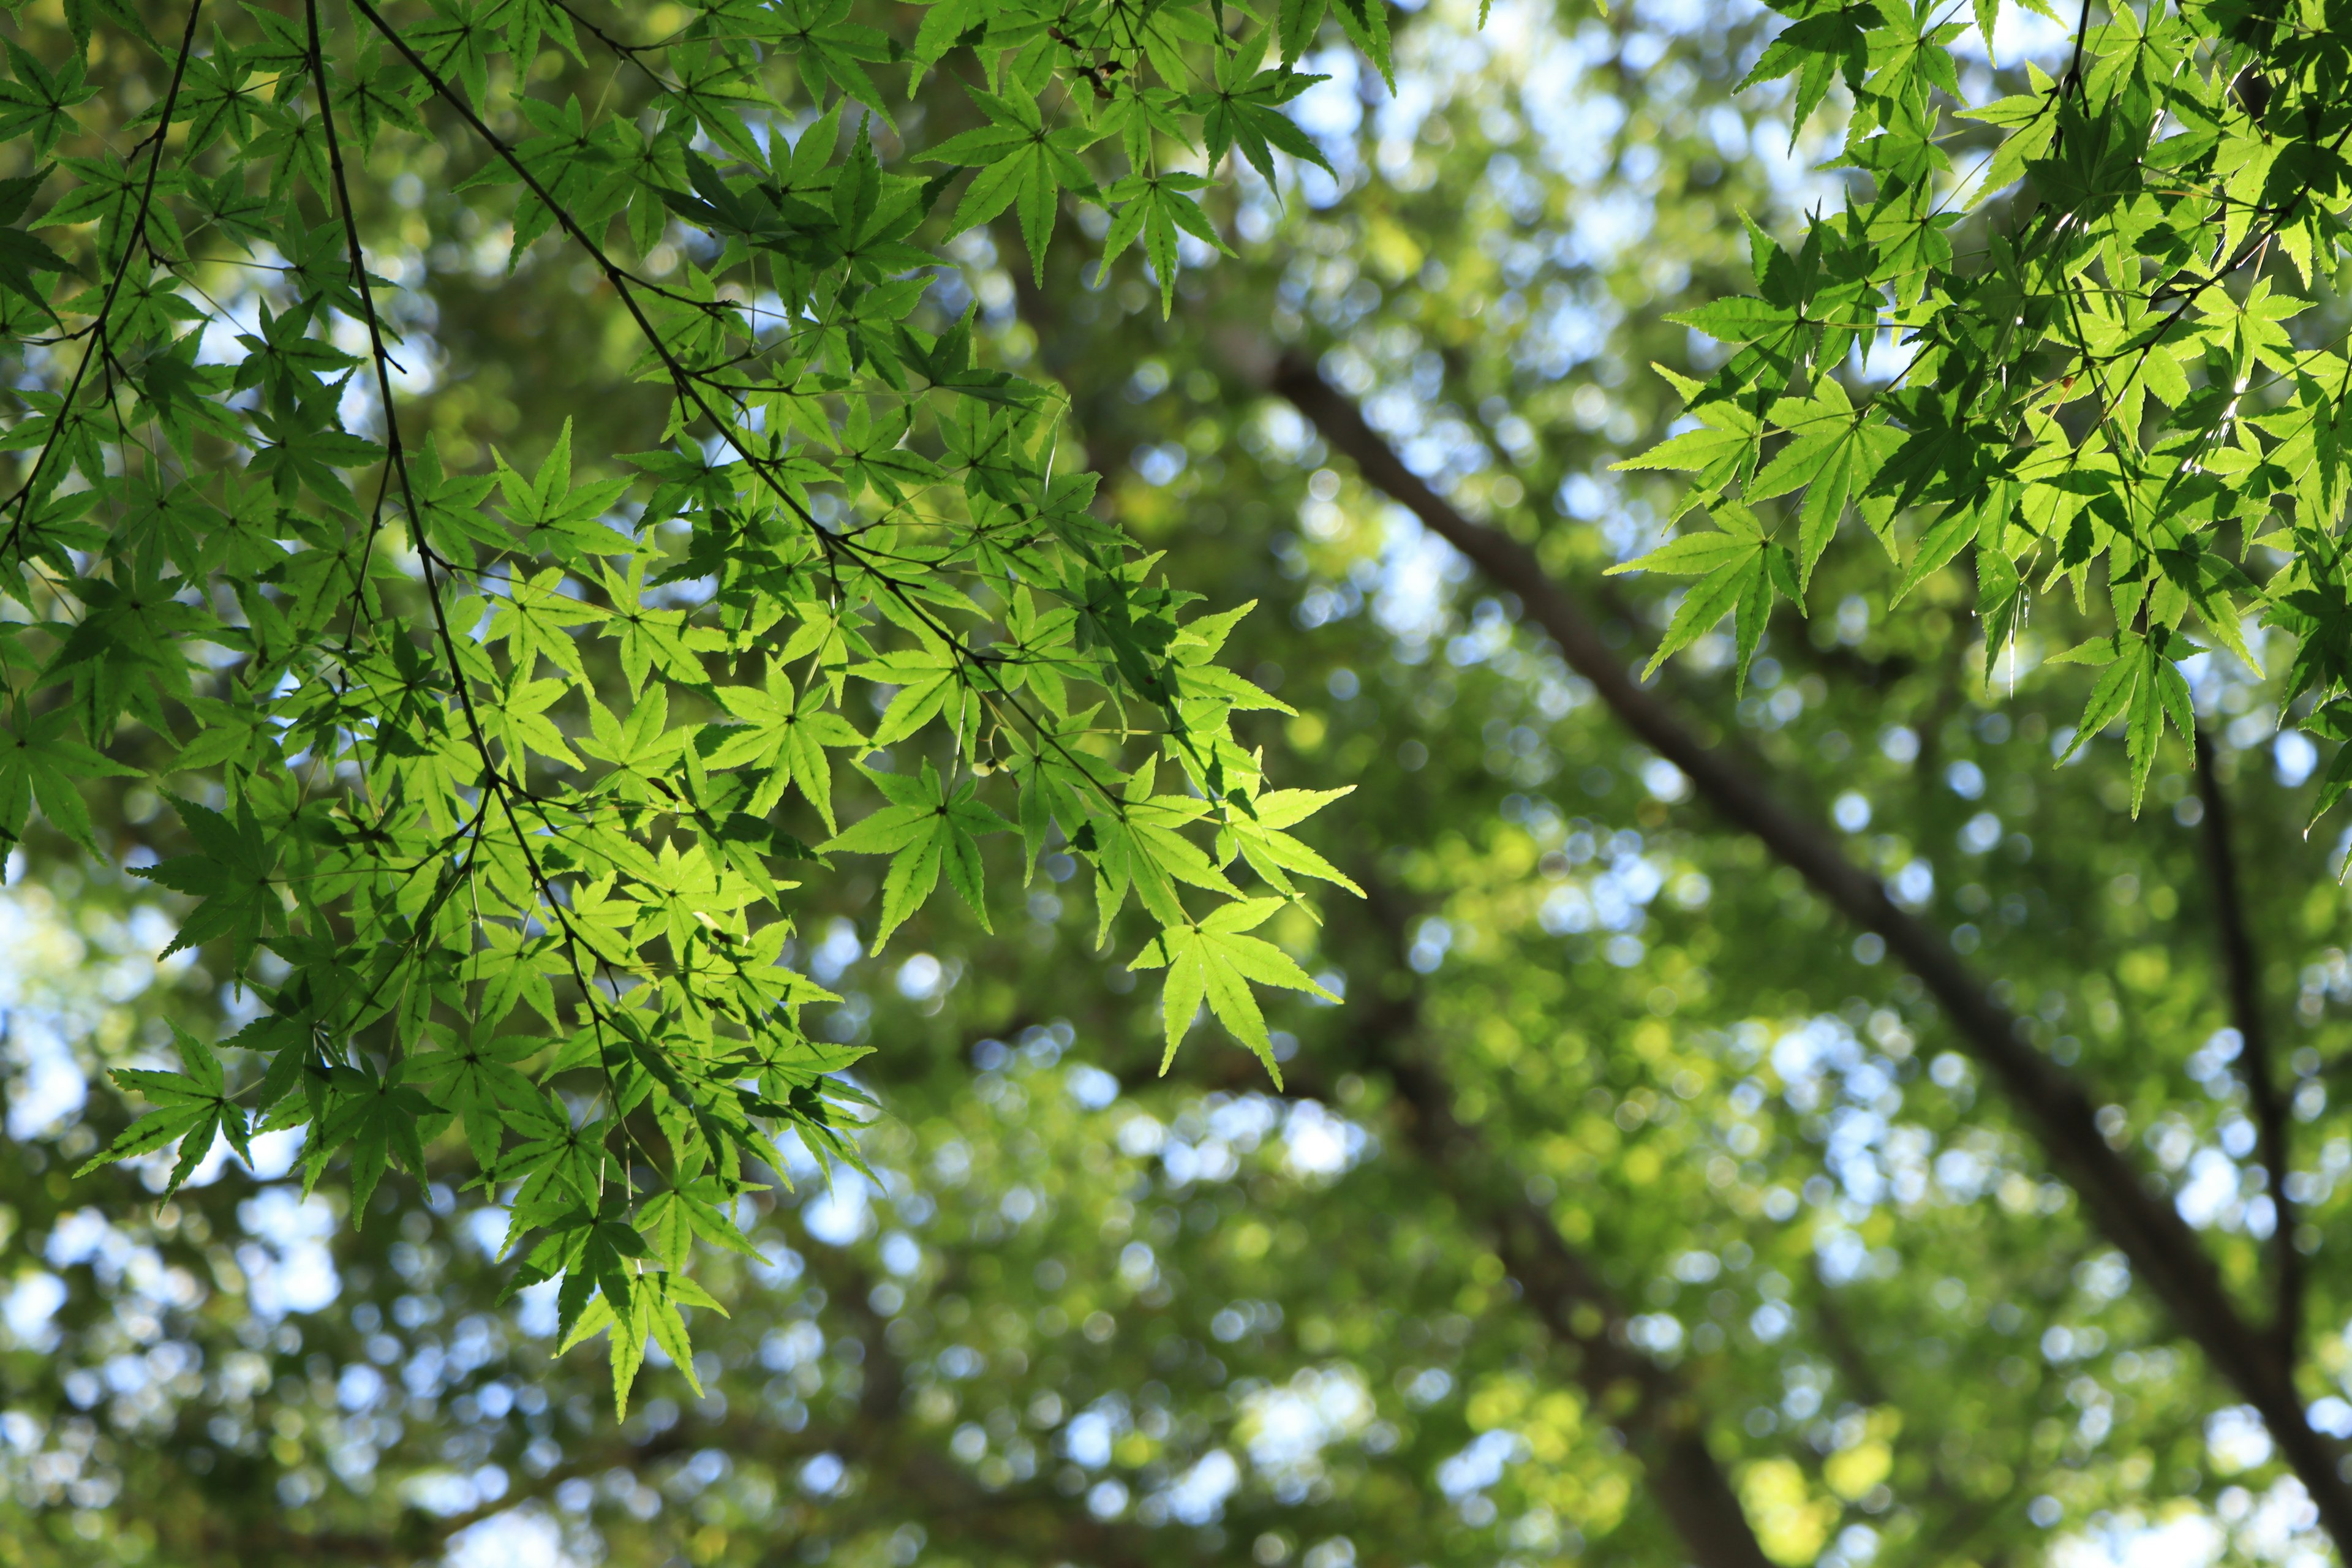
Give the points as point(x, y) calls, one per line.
point(1661, 1422)
point(2243, 978)
point(1844, 1345)
point(2129, 1208)
point(1964, 1516)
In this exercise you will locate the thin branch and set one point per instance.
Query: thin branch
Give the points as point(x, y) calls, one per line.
point(137, 236)
point(2129, 1208)
point(1002, 696)
point(2243, 976)
point(494, 782)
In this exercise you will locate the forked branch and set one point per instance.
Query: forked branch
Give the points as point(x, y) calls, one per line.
point(2133, 1214)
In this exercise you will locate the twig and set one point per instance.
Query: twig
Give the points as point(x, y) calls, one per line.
point(1000, 696)
point(23, 496)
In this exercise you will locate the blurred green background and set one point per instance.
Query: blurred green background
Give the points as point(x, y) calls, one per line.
point(1091, 1315)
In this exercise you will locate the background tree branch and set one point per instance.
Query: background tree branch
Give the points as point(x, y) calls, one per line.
point(2129, 1208)
point(2242, 977)
point(1660, 1417)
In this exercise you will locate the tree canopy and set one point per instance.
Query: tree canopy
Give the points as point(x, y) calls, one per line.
point(431, 813)
point(545, 536)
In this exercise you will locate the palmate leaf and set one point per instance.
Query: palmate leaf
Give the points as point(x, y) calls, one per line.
point(1244, 112)
point(1739, 573)
point(1022, 162)
point(1256, 836)
point(930, 682)
point(673, 1220)
point(534, 620)
point(1981, 519)
point(377, 1119)
point(42, 761)
point(1155, 208)
point(944, 24)
point(1728, 438)
point(25, 255)
point(191, 1106)
point(649, 1312)
point(304, 452)
point(482, 1083)
point(652, 638)
point(786, 737)
point(1739, 319)
point(1818, 50)
point(2333, 722)
point(1834, 454)
point(2141, 685)
point(232, 871)
point(1215, 961)
point(35, 102)
point(925, 830)
point(559, 517)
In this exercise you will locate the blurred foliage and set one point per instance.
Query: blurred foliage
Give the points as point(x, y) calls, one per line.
point(1084, 1313)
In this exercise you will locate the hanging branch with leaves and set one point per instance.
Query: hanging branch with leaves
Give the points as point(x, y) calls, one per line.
point(490, 780)
point(2117, 370)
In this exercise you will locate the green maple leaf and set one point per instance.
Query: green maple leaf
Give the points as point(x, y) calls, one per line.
point(644, 750)
point(381, 1117)
point(517, 720)
point(1817, 51)
point(925, 830)
point(233, 870)
point(652, 638)
point(284, 351)
point(872, 449)
point(1020, 160)
point(832, 49)
point(24, 255)
point(456, 41)
point(38, 101)
point(449, 506)
point(944, 25)
point(1243, 111)
point(2141, 685)
point(303, 448)
point(532, 619)
point(1155, 208)
point(671, 1220)
point(1834, 453)
point(40, 760)
point(786, 736)
point(558, 516)
point(1726, 442)
point(927, 678)
point(192, 1107)
point(1214, 960)
point(559, 1165)
point(1254, 832)
point(479, 1081)
point(1738, 570)
point(648, 1311)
